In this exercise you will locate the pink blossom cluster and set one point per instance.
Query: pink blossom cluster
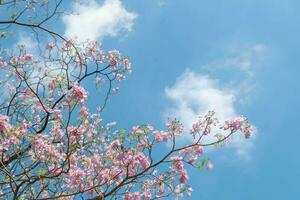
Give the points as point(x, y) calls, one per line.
point(67, 46)
point(238, 124)
point(4, 123)
point(10, 135)
point(2, 62)
point(78, 93)
point(174, 127)
point(203, 125)
point(143, 160)
point(162, 137)
point(132, 196)
point(18, 60)
point(91, 51)
point(43, 149)
point(192, 153)
point(25, 58)
point(178, 167)
point(8, 142)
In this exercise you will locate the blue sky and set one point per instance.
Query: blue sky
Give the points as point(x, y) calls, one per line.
point(248, 49)
point(202, 36)
point(237, 57)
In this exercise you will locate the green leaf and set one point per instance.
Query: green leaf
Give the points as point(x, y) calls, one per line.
point(122, 131)
point(42, 172)
point(122, 139)
point(217, 145)
point(201, 164)
point(6, 178)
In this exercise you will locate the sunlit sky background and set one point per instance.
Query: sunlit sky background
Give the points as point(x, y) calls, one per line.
point(190, 56)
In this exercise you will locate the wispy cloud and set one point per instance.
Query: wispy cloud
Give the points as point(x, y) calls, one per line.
point(94, 21)
point(193, 94)
point(245, 59)
point(28, 42)
point(162, 3)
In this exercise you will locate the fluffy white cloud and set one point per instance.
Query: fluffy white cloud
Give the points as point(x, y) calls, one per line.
point(94, 21)
point(194, 94)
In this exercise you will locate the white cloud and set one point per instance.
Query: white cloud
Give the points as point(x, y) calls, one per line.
point(162, 3)
point(38, 51)
point(194, 94)
point(245, 59)
point(28, 42)
point(94, 21)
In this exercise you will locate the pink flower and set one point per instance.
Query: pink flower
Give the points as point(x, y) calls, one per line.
point(23, 59)
point(2, 63)
point(52, 84)
point(76, 177)
point(14, 60)
point(57, 132)
point(38, 143)
point(198, 149)
point(50, 46)
point(137, 131)
point(78, 93)
point(23, 127)
point(239, 123)
point(81, 57)
point(84, 113)
point(192, 159)
point(197, 127)
point(115, 144)
point(184, 177)
point(27, 92)
point(143, 143)
point(175, 127)
point(4, 122)
point(69, 43)
point(113, 62)
point(160, 137)
point(28, 57)
point(234, 124)
point(132, 196)
point(143, 160)
point(57, 113)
